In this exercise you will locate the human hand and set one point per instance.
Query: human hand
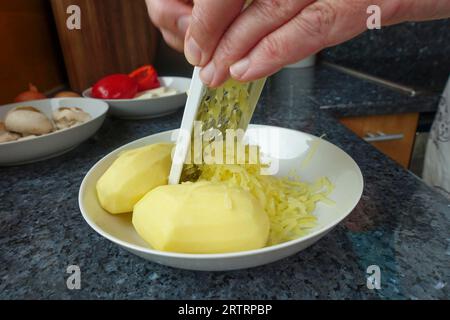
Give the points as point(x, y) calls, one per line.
point(270, 34)
point(172, 17)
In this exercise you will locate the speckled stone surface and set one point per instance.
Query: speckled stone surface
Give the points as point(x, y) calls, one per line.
point(342, 95)
point(400, 224)
point(413, 54)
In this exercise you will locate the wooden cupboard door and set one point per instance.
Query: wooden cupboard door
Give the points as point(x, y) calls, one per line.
point(403, 126)
point(29, 51)
point(116, 36)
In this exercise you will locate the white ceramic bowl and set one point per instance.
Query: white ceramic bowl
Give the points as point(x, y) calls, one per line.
point(328, 160)
point(55, 143)
point(134, 109)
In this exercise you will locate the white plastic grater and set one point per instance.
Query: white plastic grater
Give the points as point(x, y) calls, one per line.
point(198, 108)
point(196, 92)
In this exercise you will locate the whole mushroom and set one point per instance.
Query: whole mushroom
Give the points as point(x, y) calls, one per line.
point(68, 117)
point(6, 136)
point(28, 121)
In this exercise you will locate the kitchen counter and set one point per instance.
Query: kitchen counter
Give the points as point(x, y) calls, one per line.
point(415, 54)
point(343, 95)
point(400, 224)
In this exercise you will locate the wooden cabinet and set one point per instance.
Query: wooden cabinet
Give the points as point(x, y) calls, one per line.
point(391, 134)
point(30, 50)
point(116, 36)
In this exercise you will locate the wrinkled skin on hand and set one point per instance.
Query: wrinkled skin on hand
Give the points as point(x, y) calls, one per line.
point(258, 41)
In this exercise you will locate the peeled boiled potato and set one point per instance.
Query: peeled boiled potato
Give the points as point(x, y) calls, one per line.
point(201, 217)
point(132, 175)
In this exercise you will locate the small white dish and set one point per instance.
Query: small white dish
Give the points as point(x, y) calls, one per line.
point(294, 149)
point(55, 143)
point(135, 109)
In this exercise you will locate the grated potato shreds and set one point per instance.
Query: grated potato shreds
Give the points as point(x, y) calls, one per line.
point(288, 202)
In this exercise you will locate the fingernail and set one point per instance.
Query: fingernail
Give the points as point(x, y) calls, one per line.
point(183, 23)
point(193, 52)
point(207, 73)
point(239, 69)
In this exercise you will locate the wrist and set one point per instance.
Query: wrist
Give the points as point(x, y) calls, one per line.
point(397, 11)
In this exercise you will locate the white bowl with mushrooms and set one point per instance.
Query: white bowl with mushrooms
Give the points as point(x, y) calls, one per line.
point(37, 130)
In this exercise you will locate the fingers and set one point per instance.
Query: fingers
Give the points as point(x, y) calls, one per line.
point(173, 40)
point(210, 19)
point(171, 16)
point(321, 24)
point(256, 22)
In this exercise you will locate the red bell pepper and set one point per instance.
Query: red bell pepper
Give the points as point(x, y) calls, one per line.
point(116, 86)
point(146, 78)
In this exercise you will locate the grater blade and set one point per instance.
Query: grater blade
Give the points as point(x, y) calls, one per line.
point(230, 106)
